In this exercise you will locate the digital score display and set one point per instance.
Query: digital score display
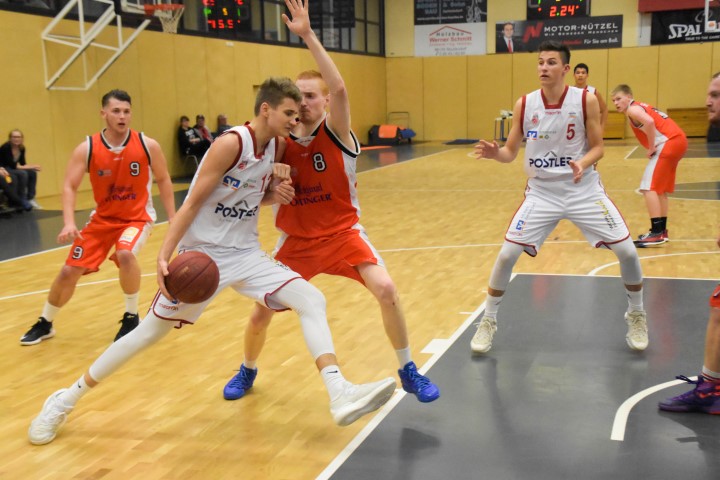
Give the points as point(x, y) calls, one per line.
point(227, 14)
point(542, 9)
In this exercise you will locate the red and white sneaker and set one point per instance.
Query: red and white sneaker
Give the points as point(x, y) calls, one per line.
point(650, 239)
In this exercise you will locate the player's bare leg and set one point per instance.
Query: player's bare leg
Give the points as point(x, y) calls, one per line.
point(255, 334)
point(61, 291)
point(130, 278)
point(378, 281)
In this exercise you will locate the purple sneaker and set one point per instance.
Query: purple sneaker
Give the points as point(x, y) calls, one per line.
point(704, 398)
point(418, 384)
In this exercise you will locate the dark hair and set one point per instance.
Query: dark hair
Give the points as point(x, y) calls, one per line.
point(199, 116)
point(555, 46)
point(716, 75)
point(274, 90)
point(581, 65)
point(184, 118)
point(121, 95)
point(508, 23)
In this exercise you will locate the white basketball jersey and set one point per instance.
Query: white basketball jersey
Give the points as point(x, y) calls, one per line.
point(591, 89)
point(554, 134)
point(229, 216)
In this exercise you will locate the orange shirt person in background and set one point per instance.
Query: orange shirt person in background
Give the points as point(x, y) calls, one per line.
point(121, 163)
point(666, 144)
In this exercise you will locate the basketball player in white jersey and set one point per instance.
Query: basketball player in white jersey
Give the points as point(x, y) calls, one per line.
point(581, 72)
point(219, 217)
point(561, 125)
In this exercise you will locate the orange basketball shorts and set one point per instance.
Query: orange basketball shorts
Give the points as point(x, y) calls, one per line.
point(99, 236)
point(715, 298)
point(659, 174)
point(335, 255)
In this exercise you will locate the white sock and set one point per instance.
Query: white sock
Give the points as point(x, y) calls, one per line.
point(403, 356)
point(334, 381)
point(49, 312)
point(132, 302)
point(71, 396)
point(635, 301)
point(251, 364)
point(709, 375)
point(492, 305)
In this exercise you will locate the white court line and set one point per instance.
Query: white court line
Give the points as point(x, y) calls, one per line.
point(621, 416)
point(392, 403)
point(662, 255)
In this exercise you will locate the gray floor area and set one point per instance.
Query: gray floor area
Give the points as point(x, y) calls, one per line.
point(540, 405)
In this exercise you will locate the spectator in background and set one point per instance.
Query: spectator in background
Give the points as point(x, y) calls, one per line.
point(222, 125)
point(12, 159)
point(190, 140)
point(7, 186)
point(204, 131)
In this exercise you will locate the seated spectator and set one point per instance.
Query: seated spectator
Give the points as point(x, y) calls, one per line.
point(12, 159)
point(190, 140)
point(200, 127)
point(222, 125)
point(8, 188)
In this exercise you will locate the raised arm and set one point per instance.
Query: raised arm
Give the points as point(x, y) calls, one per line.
point(339, 116)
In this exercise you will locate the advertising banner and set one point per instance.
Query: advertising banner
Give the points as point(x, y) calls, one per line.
point(576, 33)
point(450, 27)
point(682, 26)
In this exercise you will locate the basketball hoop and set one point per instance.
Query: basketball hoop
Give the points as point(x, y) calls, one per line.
point(168, 13)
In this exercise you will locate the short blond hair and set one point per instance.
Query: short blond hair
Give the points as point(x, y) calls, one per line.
point(622, 88)
point(314, 75)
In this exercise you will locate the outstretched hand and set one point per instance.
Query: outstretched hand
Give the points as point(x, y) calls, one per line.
point(485, 149)
point(299, 24)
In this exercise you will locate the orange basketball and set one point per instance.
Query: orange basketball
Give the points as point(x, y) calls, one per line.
point(193, 277)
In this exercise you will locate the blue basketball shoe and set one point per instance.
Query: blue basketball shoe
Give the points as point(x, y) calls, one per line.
point(240, 383)
point(704, 398)
point(417, 384)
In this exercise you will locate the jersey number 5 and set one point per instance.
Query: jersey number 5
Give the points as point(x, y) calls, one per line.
point(570, 131)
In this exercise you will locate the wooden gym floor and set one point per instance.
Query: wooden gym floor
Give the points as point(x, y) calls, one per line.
point(438, 216)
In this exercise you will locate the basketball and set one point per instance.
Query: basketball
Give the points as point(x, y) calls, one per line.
point(193, 277)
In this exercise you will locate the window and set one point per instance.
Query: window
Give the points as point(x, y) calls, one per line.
point(342, 25)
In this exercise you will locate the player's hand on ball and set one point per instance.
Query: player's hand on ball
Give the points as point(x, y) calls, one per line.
point(162, 272)
point(486, 149)
point(577, 172)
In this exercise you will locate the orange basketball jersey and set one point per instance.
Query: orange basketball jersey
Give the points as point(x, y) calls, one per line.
point(325, 181)
point(665, 127)
point(121, 178)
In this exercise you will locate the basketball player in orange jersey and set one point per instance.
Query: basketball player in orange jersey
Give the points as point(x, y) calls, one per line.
point(121, 163)
point(581, 72)
point(666, 144)
point(220, 218)
point(320, 229)
point(705, 397)
point(561, 126)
